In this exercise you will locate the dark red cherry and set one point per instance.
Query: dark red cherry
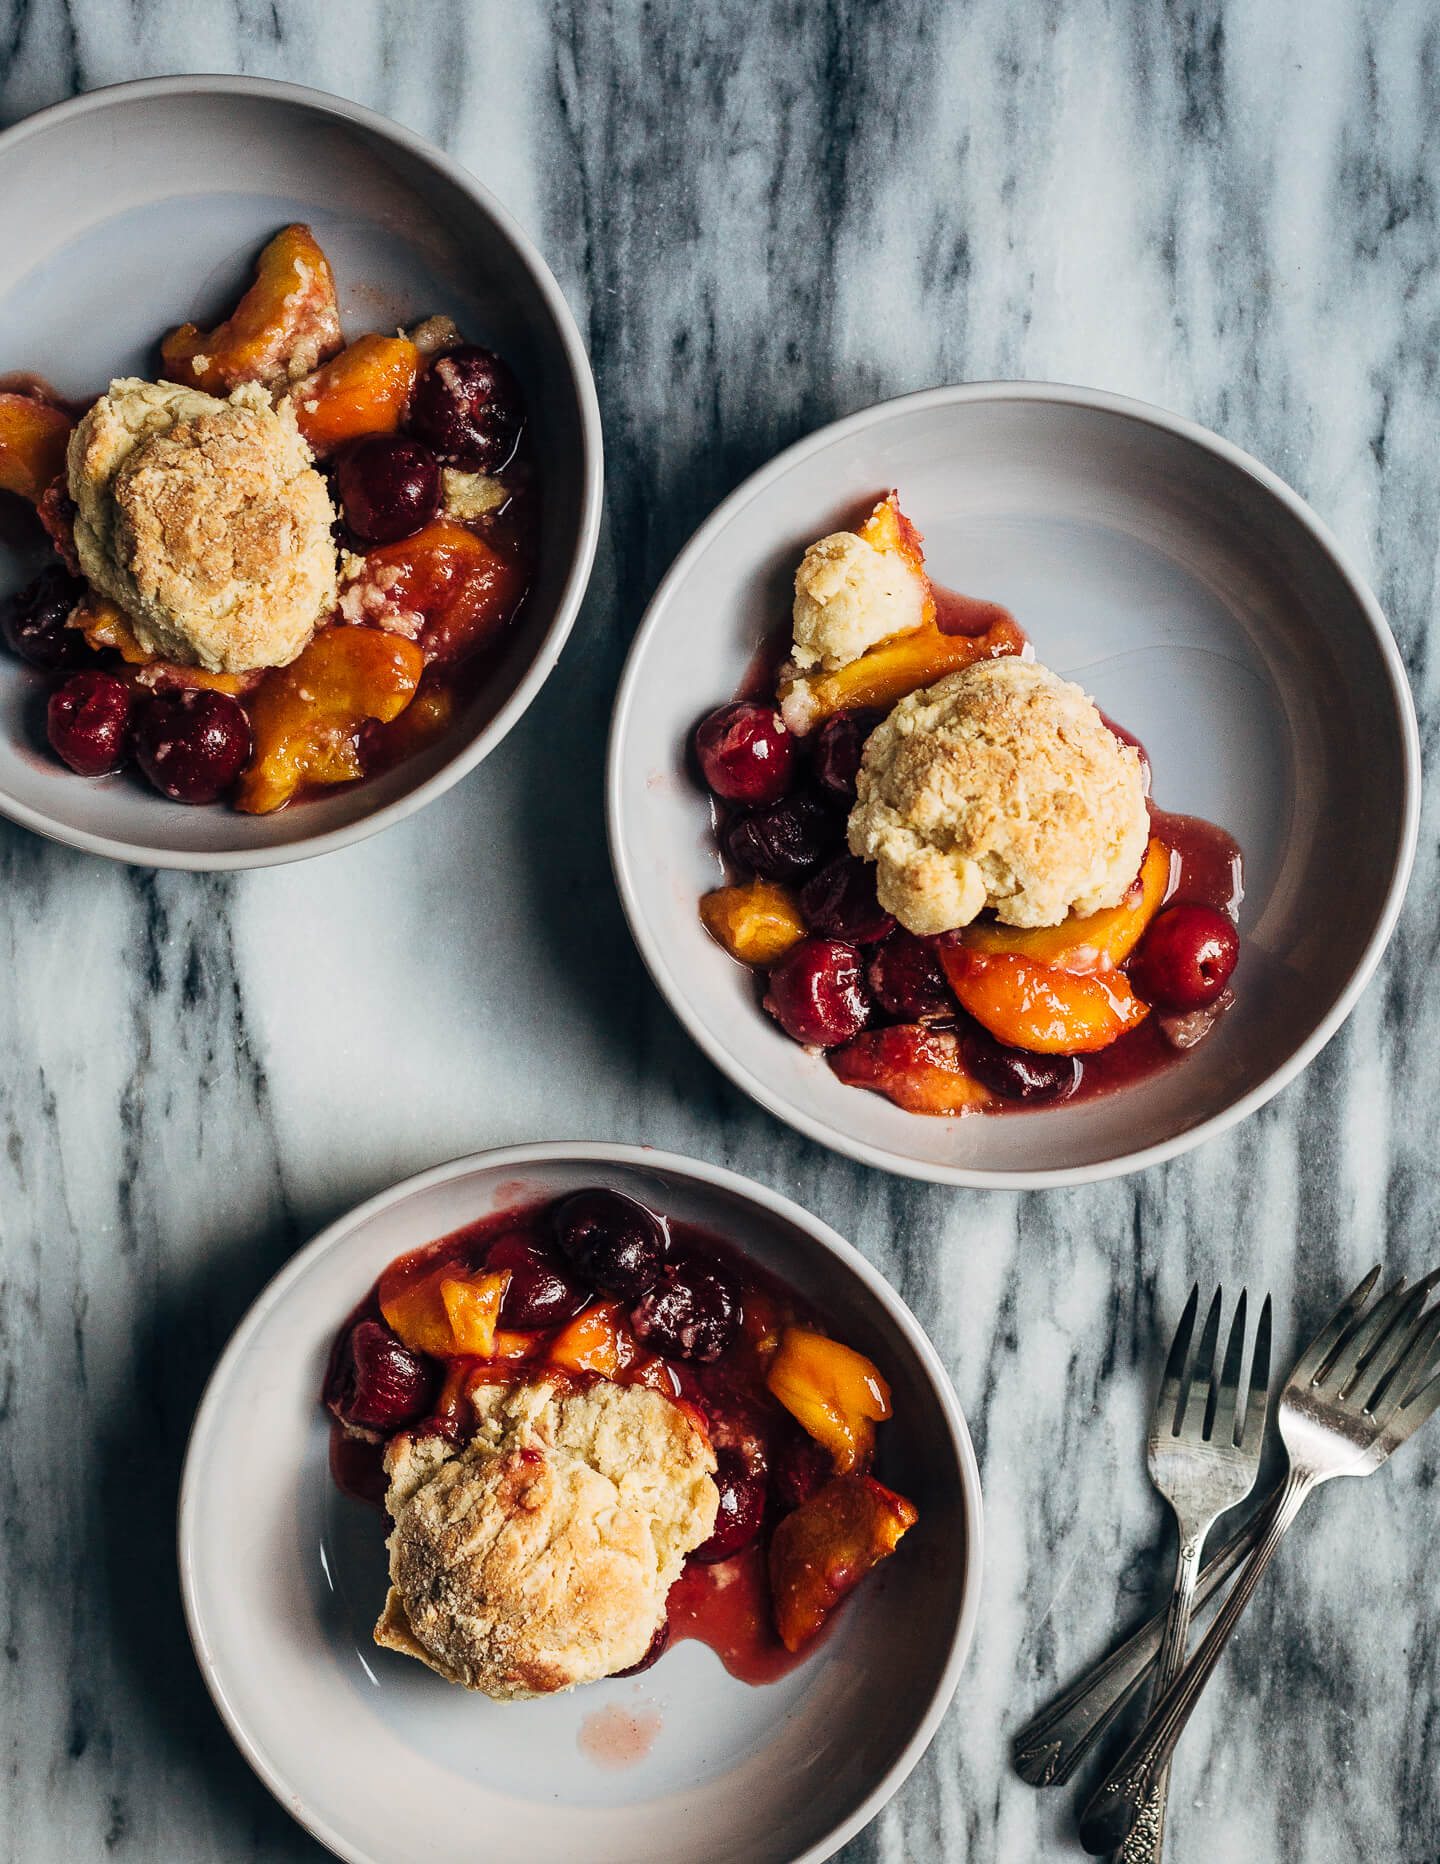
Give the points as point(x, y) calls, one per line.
point(786, 841)
point(88, 723)
point(741, 1510)
point(745, 753)
point(840, 902)
point(906, 979)
point(692, 1312)
point(613, 1241)
point(33, 621)
point(467, 406)
point(1185, 959)
point(1018, 1074)
point(817, 994)
point(838, 747)
point(798, 1466)
point(192, 744)
point(540, 1293)
point(389, 487)
point(376, 1382)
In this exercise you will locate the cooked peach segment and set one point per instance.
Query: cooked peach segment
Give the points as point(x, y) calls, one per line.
point(420, 1311)
point(833, 1391)
point(1033, 1006)
point(1094, 942)
point(888, 672)
point(920, 1069)
point(283, 328)
point(827, 1546)
point(756, 923)
point(889, 530)
point(363, 390)
point(449, 578)
point(305, 716)
point(105, 624)
point(472, 1307)
point(33, 437)
point(599, 1340)
point(509, 1345)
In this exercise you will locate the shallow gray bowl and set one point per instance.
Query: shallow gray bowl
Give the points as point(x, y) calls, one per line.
point(128, 210)
point(1205, 607)
point(283, 1579)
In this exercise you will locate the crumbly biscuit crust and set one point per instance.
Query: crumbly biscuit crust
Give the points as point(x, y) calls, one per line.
point(205, 521)
point(1000, 786)
point(540, 1556)
point(849, 597)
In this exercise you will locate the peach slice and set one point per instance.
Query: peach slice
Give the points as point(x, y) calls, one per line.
point(887, 673)
point(756, 923)
point(363, 390)
point(33, 438)
point(836, 1393)
point(599, 1340)
point(305, 716)
point(459, 588)
point(445, 1314)
point(1094, 942)
point(920, 1069)
point(284, 327)
point(473, 1309)
point(1033, 1006)
point(827, 1546)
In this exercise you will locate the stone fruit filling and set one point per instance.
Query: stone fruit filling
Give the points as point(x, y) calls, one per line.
point(285, 563)
point(594, 1430)
point(942, 859)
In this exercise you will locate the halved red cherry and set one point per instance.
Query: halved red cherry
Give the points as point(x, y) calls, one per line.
point(839, 747)
point(376, 1382)
point(1018, 1074)
point(745, 753)
point(840, 902)
point(467, 406)
point(1186, 957)
point(539, 1292)
point(785, 841)
point(907, 981)
point(817, 993)
point(389, 487)
point(741, 1509)
point(692, 1312)
point(34, 620)
point(612, 1240)
point(192, 744)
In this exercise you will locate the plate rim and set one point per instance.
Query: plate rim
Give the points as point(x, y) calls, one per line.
point(1144, 413)
point(592, 486)
point(645, 1158)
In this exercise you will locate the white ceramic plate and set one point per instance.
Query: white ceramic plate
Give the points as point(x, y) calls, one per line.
point(128, 210)
point(1203, 605)
point(283, 1578)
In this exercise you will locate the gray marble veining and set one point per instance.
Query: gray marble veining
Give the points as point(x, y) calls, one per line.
point(764, 216)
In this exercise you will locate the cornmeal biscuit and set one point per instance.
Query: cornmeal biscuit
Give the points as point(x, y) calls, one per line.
point(1000, 786)
point(205, 521)
point(849, 597)
point(540, 1556)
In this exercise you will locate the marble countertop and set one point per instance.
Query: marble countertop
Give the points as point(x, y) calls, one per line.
point(764, 217)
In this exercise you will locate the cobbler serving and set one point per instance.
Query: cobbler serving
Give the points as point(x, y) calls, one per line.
point(943, 860)
point(593, 1430)
point(283, 564)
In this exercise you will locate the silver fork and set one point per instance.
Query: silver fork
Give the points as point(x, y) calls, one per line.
point(1359, 1390)
point(1204, 1459)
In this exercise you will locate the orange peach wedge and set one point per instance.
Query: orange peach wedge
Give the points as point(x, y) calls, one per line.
point(920, 1069)
point(287, 322)
point(363, 390)
point(1092, 942)
point(827, 1546)
point(1029, 1005)
point(33, 438)
point(756, 923)
point(833, 1391)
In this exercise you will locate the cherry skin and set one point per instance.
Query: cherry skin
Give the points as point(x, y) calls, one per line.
point(467, 406)
point(376, 1382)
point(741, 1510)
point(692, 1312)
point(611, 1240)
point(840, 902)
point(389, 487)
point(906, 979)
point(88, 723)
point(192, 744)
point(817, 994)
point(839, 746)
point(539, 1293)
point(1018, 1074)
point(786, 841)
point(745, 753)
point(34, 619)
point(1186, 957)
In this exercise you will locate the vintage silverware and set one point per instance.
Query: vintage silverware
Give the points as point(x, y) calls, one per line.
point(1360, 1389)
point(1203, 1456)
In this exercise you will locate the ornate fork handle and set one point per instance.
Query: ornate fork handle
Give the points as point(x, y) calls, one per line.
point(1118, 1802)
point(1050, 1746)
